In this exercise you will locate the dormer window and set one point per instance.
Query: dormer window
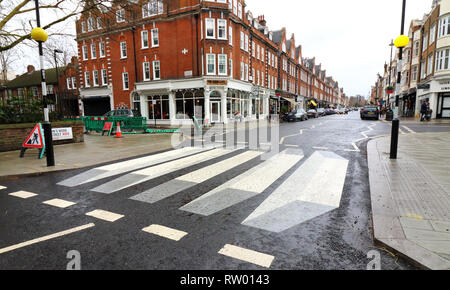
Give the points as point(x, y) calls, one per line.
point(284, 47)
point(90, 24)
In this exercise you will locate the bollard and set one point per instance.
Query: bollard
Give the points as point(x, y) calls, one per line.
point(394, 138)
point(49, 144)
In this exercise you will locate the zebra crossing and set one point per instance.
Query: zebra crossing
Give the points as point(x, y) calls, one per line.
point(313, 188)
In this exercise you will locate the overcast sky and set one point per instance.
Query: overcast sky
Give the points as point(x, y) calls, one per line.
point(349, 37)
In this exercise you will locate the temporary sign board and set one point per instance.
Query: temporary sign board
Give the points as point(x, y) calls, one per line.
point(35, 139)
point(62, 134)
point(107, 128)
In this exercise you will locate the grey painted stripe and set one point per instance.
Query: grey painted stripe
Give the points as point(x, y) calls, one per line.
point(184, 182)
point(127, 166)
point(246, 185)
point(312, 190)
point(147, 174)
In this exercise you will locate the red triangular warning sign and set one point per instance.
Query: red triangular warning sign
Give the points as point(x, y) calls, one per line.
point(34, 140)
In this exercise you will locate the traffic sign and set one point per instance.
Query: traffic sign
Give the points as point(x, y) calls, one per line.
point(35, 139)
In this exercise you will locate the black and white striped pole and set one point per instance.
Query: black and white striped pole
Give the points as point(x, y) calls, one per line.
point(39, 35)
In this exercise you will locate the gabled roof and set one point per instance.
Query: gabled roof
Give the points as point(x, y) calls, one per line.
point(34, 78)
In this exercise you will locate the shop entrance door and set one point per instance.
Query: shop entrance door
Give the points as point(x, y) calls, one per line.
point(215, 112)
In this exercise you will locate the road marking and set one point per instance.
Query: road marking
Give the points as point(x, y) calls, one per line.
point(246, 255)
point(189, 180)
point(245, 186)
point(45, 238)
point(2, 187)
point(409, 130)
point(320, 148)
point(354, 146)
point(59, 203)
point(165, 232)
point(289, 145)
point(312, 190)
point(147, 174)
point(282, 139)
point(105, 215)
point(127, 166)
point(23, 194)
point(313, 126)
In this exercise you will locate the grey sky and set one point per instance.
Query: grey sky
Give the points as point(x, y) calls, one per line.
point(349, 37)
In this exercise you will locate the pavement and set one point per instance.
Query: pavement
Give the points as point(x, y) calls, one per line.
point(96, 149)
point(411, 197)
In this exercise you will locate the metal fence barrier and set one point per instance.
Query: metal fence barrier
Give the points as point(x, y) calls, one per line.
point(97, 124)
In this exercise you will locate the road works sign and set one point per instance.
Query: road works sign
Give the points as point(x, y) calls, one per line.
point(35, 139)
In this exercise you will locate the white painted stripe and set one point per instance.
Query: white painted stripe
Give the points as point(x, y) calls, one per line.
point(105, 215)
point(246, 255)
point(282, 139)
point(165, 232)
point(45, 238)
point(127, 166)
point(320, 148)
point(209, 172)
point(23, 194)
point(2, 187)
point(409, 130)
point(59, 203)
point(295, 146)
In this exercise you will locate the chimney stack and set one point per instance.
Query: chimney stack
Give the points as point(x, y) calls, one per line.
point(261, 20)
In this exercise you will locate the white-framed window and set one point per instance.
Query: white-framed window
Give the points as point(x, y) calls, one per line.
point(155, 37)
point(123, 49)
point(414, 73)
point(95, 78)
point(239, 13)
point(253, 49)
point(442, 59)
point(146, 70)
point(144, 39)
point(242, 71)
point(231, 67)
point(152, 8)
point(104, 77)
point(90, 24)
point(242, 40)
point(246, 72)
point(262, 79)
point(93, 51)
point(210, 64)
point(444, 26)
point(222, 61)
point(74, 83)
point(156, 70)
point(210, 24)
point(69, 83)
point(258, 56)
point(99, 23)
point(102, 49)
point(235, 8)
point(246, 44)
point(262, 54)
point(221, 29)
point(425, 42)
point(423, 71)
point(230, 35)
point(125, 81)
point(87, 79)
point(83, 27)
point(432, 33)
point(430, 64)
point(85, 52)
point(120, 15)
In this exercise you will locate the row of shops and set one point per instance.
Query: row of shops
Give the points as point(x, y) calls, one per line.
point(218, 100)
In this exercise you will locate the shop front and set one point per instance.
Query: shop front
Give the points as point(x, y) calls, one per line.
point(211, 101)
point(408, 104)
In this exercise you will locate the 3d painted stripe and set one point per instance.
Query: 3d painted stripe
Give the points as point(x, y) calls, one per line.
point(105, 215)
point(23, 194)
point(246, 255)
point(147, 174)
point(127, 166)
point(191, 179)
point(165, 232)
point(2, 187)
point(59, 203)
point(45, 238)
point(246, 185)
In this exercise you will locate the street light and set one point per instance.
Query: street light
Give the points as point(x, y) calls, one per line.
point(39, 35)
point(400, 43)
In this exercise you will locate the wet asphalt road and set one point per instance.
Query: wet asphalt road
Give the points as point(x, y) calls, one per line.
point(339, 239)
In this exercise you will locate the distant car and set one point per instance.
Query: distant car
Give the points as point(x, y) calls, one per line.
point(369, 112)
point(330, 112)
point(321, 112)
point(295, 115)
point(343, 111)
point(123, 113)
point(312, 114)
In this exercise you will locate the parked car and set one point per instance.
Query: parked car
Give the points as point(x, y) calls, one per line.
point(330, 112)
point(343, 111)
point(369, 112)
point(321, 112)
point(123, 113)
point(295, 115)
point(312, 114)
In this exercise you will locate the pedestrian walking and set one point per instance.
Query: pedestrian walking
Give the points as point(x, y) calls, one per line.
point(423, 111)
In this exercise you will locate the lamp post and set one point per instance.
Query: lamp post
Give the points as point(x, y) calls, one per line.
point(400, 43)
point(39, 35)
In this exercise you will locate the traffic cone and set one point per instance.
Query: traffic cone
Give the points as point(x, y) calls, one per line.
point(118, 133)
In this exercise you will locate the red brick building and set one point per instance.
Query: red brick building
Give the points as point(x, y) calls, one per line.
point(175, 59)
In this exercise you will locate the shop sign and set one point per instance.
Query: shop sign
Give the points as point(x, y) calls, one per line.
point(216, 83)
